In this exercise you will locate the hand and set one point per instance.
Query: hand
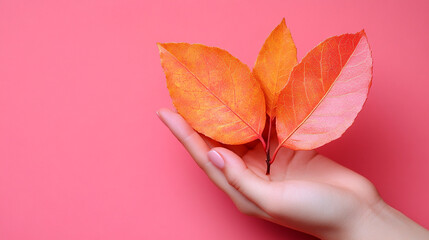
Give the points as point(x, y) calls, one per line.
point(305, 191)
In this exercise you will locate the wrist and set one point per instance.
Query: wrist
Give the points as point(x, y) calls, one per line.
point(381, 221)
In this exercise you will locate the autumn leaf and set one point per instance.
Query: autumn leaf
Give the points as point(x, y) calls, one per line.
point(215, 92)
point(274, 64)
point(326, 91)
point(312, 102)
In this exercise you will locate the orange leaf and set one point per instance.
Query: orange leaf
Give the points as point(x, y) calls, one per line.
point(274, 64)
point(325, 92)
point(215, 92)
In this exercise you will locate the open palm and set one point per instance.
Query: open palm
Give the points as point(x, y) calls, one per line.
point(305, 191)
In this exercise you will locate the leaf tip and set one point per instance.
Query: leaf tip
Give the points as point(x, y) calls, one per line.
point(160, 46)
point(362, 33)
point(283, 23)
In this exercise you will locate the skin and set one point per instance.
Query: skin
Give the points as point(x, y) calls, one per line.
point(305, 190)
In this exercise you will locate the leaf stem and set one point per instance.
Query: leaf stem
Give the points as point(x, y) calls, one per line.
point(268, 164)
point(264, 145)
point(268, 160)
point(269, 134)
point(275, 153)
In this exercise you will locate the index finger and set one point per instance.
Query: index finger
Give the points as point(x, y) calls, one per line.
point(198, 149)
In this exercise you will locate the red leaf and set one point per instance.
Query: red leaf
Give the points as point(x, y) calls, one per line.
point(325, 92)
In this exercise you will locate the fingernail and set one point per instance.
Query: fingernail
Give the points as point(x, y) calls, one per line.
point(160, 116)
point(216, 159)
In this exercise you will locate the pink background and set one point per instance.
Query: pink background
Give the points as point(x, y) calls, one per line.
point(83, 155)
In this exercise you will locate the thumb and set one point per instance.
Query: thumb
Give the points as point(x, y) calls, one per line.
point(239, 176)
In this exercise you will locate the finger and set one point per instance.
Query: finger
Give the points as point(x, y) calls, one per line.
point(240, 177)
point(255, 161)
point(190, 139)
point(210, 142)
point(240, 150)
point(198, 149)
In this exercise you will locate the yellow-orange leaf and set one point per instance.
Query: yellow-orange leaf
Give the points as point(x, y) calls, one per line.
point(325, 92)
point(274, 64)
point(215, 92)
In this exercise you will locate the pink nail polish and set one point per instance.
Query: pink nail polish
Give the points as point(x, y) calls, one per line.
point(216, 159)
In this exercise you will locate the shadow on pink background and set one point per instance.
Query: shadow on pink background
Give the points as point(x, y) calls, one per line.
point(83, 155)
